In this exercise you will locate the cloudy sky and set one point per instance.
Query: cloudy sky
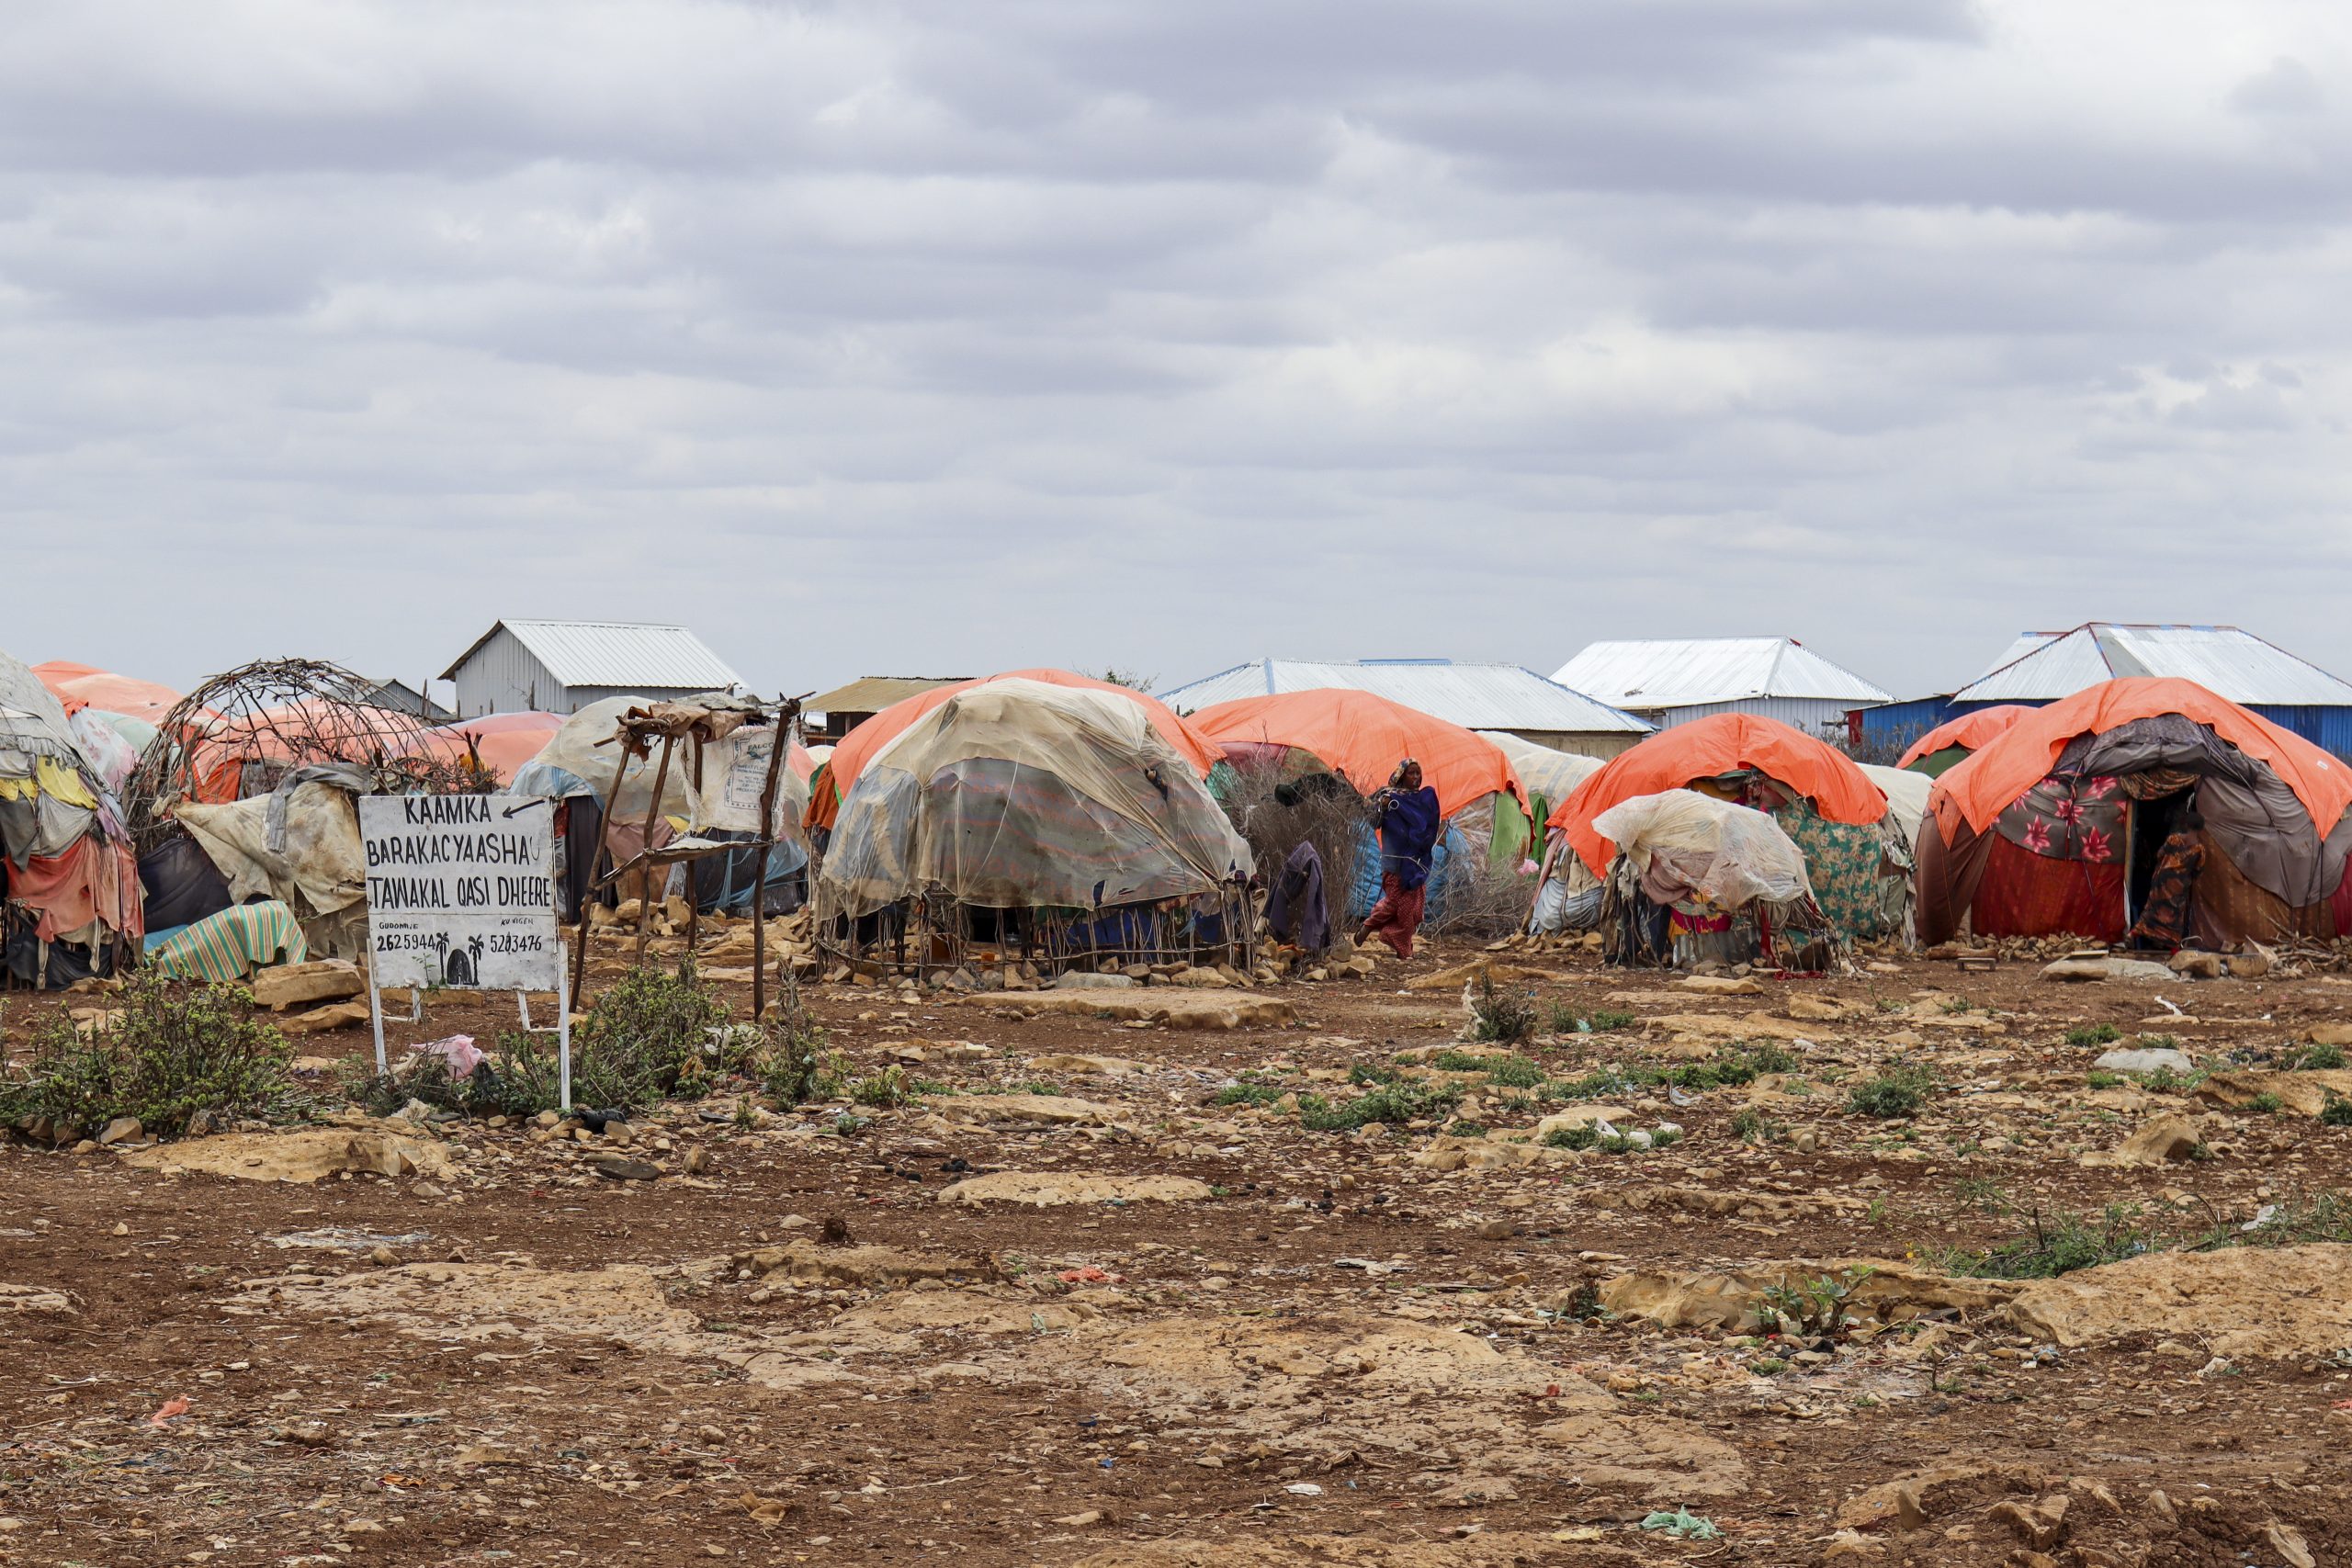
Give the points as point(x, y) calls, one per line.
point(945, 338)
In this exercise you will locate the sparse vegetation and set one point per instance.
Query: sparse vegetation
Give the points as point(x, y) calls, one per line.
point(1394, 1104)
point(1814, 1308)
point(1502, 1017)
point(1897, 1091)
point(156, 1055)
point(2315, 1059)
point(2336, 1111)
point(2088, 1034)
point(654, 1034)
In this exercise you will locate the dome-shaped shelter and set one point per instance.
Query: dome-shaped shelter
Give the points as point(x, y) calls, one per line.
point(1856, 861)
point(1950, 742)
point(2053, 825)
point(1024, 820)
point(70, 901)
point(858, 747)
point(1358, 738)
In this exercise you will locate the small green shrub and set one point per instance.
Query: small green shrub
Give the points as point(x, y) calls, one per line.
point(1503, 1018)
point(2101, 1078)
point(1752, 1126)
point(790, 1071)
point(2336, 1111)
point(657, 1035)
point(2262, 1104)
point(2317, 1059)
point(1465, 1129)
point(160, 1057)
point(1582, 1137)
point(1248, 1094)
point(890, 1087)
point(2087, 1034)
point(1514, 1072)
point(1897, 1091)
point(1812, 1308)
point(1392, 1103)
point(2060, 1244)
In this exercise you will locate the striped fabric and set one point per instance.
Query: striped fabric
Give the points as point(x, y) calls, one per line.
point(233, 943)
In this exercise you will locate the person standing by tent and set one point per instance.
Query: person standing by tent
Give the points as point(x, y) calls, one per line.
point(2165, 919)
point(1407, 815)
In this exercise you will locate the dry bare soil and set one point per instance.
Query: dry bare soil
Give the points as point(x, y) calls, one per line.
point(1067, 1308)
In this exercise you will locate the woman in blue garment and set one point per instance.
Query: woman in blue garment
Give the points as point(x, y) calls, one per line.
point(1406, 812)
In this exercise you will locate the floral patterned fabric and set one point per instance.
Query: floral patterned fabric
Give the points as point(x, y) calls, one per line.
point(2069, 817)
point(1844, 864)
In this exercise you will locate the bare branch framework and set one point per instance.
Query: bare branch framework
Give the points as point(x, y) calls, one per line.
point(241, 732)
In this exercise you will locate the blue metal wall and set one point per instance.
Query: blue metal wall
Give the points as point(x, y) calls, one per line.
point(2329, 728)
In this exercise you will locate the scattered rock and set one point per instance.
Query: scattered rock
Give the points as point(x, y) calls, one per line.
point(1076, 980)
point(303, 1154)
point(335, 1015)
point(2196, 965)
point(1043, 1189)
point(290, 984)
point(615, 1167)
point(121, 1130)
point(1176, 1009)
point(2239, 1302)
point(2138, 971)
point(2145, 1060)
point(1719, 986)
point(2169, 1137)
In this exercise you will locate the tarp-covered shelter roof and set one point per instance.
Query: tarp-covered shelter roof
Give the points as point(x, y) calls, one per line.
point(872, 694)
point(1993, 779)
point(2226, 660)
point(614, 653)
point(1475, 697)
point(1971, 731)
point(1712, 748)
point(1667, 672)
point(1363, 735)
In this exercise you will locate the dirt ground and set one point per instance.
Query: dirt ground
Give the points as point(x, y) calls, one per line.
point(1224, 1339)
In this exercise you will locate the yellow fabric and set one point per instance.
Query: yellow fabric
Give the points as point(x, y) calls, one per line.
point(50, 778)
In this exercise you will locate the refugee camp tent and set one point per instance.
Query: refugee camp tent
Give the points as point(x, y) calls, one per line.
point(1907, 795)
point(1944, 746)
point(500, 742)
point(1855, 859)
point(299, 846)
point(69, 884)
point(1065, 805)
point(855, 750)
point(1359, 737)
point(1548, 777)
point(1685, 854)
point(81, 685)
point(576, 767)
point(1484, 697)
point(2053, 825)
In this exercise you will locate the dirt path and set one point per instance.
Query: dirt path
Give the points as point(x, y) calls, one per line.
point(1240, 1341)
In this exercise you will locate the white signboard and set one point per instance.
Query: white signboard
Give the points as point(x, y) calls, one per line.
point(461, 891)
point(735, 774)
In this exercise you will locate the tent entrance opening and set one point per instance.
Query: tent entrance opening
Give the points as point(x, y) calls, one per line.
point(2148, 823)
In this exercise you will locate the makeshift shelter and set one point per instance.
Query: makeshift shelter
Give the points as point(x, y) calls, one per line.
point(242, 733)
point(1507, 698)
point(495, 744)
point(853, 752)
point(1358, 738)
point(69, 885)
point(1698, 877)
point(602, 769)
point(1856, 863)
point(1950, 742)
point(1021, 820)
point(2053, 825)
point(85, 685)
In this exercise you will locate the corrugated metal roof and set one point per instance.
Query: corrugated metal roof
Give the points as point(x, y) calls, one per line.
point(1679, 672)
point(872, 694)
point(2225, 660)
point(616, 653)
point(1475, 697)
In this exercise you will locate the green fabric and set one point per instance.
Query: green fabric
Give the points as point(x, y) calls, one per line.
point(1507, 847)
point(1841, 863)
point(233, 943)
point(1935, 764)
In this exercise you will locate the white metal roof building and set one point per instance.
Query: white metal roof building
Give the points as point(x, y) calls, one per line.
point(1475, 697)
point(2042, 666)
point(1672, 681)
point(562, 666)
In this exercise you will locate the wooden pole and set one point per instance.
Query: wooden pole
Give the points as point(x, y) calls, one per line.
point(652, 814)
point(787, 709)
point(596, 868)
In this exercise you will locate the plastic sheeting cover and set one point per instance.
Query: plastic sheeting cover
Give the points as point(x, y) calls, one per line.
point(1016, 794)
point(1726, 854)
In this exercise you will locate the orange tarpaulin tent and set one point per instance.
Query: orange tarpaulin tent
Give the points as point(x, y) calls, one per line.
point(1971, 731)
point(858, 747)
point(1708, 748)
point(1991, 781)
point(503, 742)
point(82, 685)
point(1363, 737)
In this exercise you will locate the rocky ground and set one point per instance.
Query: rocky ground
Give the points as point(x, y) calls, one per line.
point(1121, 1286)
